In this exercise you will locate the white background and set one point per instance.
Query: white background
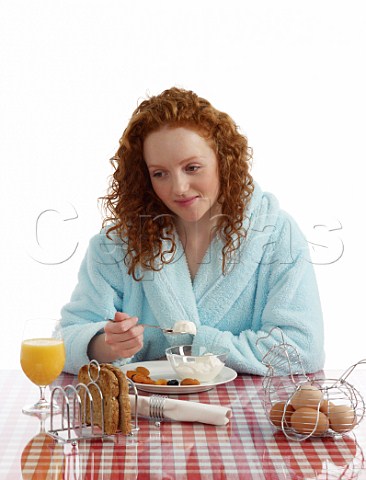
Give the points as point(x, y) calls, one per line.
point(290, 73)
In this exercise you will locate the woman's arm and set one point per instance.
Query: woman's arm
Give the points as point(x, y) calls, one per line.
point(96, 298)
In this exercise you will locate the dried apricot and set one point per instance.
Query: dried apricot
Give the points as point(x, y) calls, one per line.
point(130, 373)
point(161, 381)
point(190, 381)
point(139, 378)
point(143, 370)
point(149, 381)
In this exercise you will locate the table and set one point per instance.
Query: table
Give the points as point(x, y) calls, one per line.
point(247, 448)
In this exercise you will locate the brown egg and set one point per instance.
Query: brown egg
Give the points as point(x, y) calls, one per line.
point(276, 414)
point(305, 420)
point(342, 418)
point(325, 406)
point(307, 396)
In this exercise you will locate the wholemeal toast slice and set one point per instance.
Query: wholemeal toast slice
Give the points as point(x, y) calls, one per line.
point(114, 387)
point(109, 386)
point(124, 400)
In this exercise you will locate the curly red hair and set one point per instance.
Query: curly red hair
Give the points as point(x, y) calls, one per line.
point(133, 210)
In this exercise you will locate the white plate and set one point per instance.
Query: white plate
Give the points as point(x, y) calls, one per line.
point(162, 369)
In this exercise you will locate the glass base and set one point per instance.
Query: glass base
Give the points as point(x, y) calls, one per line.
point(41, 408)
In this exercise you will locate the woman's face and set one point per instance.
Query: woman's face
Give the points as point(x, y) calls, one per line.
point(184, 172)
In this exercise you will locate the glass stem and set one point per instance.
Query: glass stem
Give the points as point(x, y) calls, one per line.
point(42, 397)
point(42, 424)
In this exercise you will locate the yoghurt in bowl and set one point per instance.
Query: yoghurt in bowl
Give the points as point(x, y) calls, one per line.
point(204, 365)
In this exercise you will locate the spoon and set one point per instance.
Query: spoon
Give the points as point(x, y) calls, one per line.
point(168, 331)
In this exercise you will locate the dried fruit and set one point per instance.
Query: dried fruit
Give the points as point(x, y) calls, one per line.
point(190, 381)
point(161, 381)
point(139, 378)
point(173, 382)
point(143, 371)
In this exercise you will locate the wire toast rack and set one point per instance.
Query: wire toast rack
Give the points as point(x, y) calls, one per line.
point(302, 405)
point(76, 420)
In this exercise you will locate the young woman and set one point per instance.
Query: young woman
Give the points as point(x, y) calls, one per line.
point(189, 236)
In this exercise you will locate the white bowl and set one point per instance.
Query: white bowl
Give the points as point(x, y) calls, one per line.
point(205, 365)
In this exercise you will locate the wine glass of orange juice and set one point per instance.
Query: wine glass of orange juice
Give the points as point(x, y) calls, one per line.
point(42, 357)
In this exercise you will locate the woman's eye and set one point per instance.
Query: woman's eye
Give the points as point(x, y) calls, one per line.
point(193, 168)
point(157, 174)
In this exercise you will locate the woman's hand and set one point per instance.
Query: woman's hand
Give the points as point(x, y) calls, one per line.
point(123, 336)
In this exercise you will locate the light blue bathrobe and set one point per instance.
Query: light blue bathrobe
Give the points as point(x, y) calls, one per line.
point(270, 283)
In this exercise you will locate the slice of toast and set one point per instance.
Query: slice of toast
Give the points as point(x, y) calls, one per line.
point(124, 400)
point(108, 384)
point(114, 387)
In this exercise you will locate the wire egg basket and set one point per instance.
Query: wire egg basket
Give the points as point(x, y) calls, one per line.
point(302, 405)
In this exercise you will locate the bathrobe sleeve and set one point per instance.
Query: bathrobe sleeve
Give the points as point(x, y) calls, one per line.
point(288, 298)
point(97, 296)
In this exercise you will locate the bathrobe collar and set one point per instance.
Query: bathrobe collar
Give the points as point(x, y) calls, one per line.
point(173, 296)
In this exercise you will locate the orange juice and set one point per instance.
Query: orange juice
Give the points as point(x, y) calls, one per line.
point(42, 359)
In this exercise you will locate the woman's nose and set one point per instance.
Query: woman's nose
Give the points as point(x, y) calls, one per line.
point(180, 185)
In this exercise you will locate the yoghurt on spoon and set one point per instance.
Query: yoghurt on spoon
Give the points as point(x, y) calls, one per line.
point(185, 326)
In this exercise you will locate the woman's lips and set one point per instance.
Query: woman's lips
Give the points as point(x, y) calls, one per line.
point(186, 202)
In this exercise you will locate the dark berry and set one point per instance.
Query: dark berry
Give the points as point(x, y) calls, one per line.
point(173, 382)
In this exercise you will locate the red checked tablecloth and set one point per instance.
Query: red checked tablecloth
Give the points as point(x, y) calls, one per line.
point(247, 448)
